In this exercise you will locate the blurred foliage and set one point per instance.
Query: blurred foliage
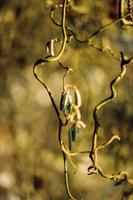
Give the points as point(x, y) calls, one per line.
point(31, 164)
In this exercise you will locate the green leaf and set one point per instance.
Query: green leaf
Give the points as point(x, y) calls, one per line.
point(67, 108)
point(66, 103)
point(73, 133)
point(62, 101)
point(70, 138)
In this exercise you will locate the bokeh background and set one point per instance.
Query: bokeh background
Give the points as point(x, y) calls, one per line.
point(31, 165)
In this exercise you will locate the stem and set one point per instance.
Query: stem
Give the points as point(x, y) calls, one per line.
point(93, 153)
point(65, 163)
point(63, 27)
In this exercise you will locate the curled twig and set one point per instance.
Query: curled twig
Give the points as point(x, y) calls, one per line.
point(114, 137)
point(66, 151)
point(94, 149)
point(70, 104)
point(122, 18)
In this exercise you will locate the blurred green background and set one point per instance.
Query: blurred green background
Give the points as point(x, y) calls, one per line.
point(31, 165)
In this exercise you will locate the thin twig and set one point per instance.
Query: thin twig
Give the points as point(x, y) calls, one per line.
point(94, 149)
point(114, 137)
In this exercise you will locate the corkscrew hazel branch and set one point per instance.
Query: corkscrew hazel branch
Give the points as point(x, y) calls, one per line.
point(63, 28)
point(94, 168)
point(114, 137)
point(49, 59)
point(68, 29)
point(91, 37)
point(48, 91)
point(59, 133)
point(60, 124)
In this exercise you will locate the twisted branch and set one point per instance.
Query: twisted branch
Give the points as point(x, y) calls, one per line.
point(49, 59)
point(94, 168)
point(93, 154)
point(101, 29)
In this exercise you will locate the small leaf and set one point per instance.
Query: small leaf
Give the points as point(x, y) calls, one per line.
point(62, 100)
point(66, 111)
point(68, 107)
point(74, 133)
point(70, 138)
point(66, 103)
